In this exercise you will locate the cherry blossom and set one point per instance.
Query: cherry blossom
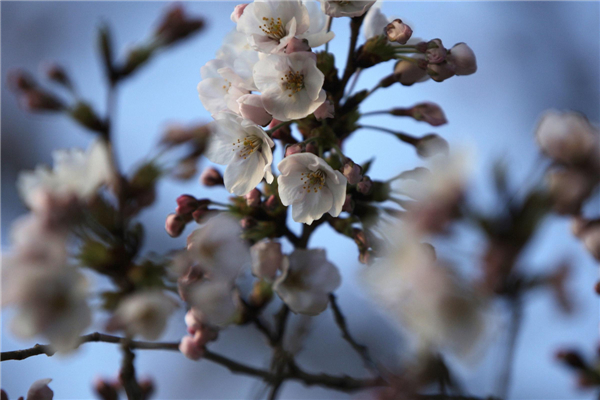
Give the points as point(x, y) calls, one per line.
point(307, 280)
point(220, 87)
point(267, 259)
point(291, 85)
point(311, 187)
point(246, 150)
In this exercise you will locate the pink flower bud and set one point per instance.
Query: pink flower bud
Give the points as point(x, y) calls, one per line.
point(352, 172)
point(253, 198)
point(432, 145)
point(39, 390)
point(325, 110)
point(463, 59)
point(272, 203)
point(440, 72)
point(398, 32)
point(408, 73)
point(251, 108)
point(174, 225)
point(428, 112)
point(436, 52)
point(211, 177)
point(186, 204)
point(293, 149)
point(348, 204)
point(295, 45)
point(106, 390)
point(238, 11)
point(365, 185)
point(189, 348)
point(267, 259)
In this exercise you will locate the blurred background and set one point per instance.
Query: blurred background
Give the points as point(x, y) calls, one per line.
point(531, 55)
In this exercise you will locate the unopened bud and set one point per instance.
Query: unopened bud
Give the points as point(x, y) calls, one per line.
point(37, 100)
point(175, 135)
point(272, 203)
point(211, 177)
point(251, 108)
point(87, 117)
point(253, 198)
point(174, 225)
point(360, 238)
point(352, 172)
point(365, 185)
point(295, 45)
point(238, 11)
point(398, 32)
point(190, 349)
point(325, 110)
point(408, 73)
point(463, 59)
point(432, 145)
point(572, 359)
point(440, 72)
point(56, 73)
point(147, 388)
point(20, 81)
point(436, 52)
point(568, 188)
point(186, 204)
point(428, 112)
point(201, 213)
point(105, 390)
point(348, 204)
point(176, 26)
point(293, 149)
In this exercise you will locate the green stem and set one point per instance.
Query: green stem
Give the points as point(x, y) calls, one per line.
point(400, 135)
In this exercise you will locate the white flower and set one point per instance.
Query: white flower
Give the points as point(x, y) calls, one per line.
point(213, 302)
point(426, 298)
point(307, 280)
point(218, 249)
point(221, 87)
point(316, 34)
point(374, 23)
point(267, 259)
point(251, 108)
point(354, 8)
point(144, 314)
point(270, 24)
point(311, 187)
point(567, 137)
point(50, 303)
point(39, 390)
point(76, 174)
point(246, 150)
point(291, 85)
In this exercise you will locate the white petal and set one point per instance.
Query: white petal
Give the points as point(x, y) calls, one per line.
point(243, 175)
point(313, 206)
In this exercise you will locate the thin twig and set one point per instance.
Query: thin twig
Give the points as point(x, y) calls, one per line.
point(516, 308)
point(127, 373)
point(362, 350)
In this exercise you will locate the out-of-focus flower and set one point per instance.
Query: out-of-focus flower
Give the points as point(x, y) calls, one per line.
point(269, 25)
point(253, 198)
point(397, 31)
point(190, 349)
point(375, 23)
point(176, 25)
point(267, 259)
point(354, 8)
point(311, 187)
point(174, 225)
point(567, 137)
point(463, 59)
point(307, 280)
point(50, 303)
point(352, 172)
point(39, 390)
point(76, 174)
point(432, 145)
point(192, 345)
point(211, 177)
point(291, 85)
point(428, 112)
point(218, 249)
point(365, 185)
point(569, 189)
point(426, 298)
point(144, 314)
point(325, 110)
point(246, 150)
point(213, 302)
point(251, 108)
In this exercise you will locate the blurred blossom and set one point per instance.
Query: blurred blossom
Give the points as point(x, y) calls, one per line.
point(76, 174)
point(427, 298)
point(325, 110)
point(568, 137)
point(246, 150)
point(267, 259)
point(214, 302)
point(39, 390)
point(176, 25)
point(174, 225)
point(311, 187)
point(375, 22)
point(306, 281)
point(211, 177)
point(568, 189)
point(145, 314)
point(346, 8)
point(352, 172)
point(463, 59)
point(253, 198)
point(50, 303)
point(398, 32)
point(428, 112)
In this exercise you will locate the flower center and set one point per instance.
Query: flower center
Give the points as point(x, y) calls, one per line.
point(226, 86)
point(313, 180)
point(273, 28)
point(246, 146)
point(293, 81)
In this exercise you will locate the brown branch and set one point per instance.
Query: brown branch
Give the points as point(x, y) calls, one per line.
point(362, 350)
point(127, 373)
